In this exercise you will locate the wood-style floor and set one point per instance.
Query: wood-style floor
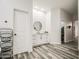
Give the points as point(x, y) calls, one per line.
point(49, 51)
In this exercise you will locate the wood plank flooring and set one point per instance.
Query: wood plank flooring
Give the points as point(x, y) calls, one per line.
point(50, 51)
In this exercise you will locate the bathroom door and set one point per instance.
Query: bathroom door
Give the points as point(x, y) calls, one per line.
point(21, 31)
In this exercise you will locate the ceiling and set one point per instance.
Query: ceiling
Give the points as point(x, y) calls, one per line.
point(68, 5)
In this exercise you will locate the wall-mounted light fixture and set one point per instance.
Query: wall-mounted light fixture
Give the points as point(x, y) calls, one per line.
point(68, 27)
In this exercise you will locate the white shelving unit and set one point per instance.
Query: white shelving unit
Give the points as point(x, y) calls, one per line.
point(6, 36)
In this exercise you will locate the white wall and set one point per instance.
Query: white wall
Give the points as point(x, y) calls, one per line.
point(40, 16)
point(68, 33)
point(6, 10)
point(78, 24)
point(76, 29)
point(44, 18)
point(48, 21)
point(66, 18)
point(60, 18)
point(48, 25)
point(55, 32)
point(6, 13)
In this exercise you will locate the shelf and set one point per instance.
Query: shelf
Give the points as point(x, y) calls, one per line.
point(6, 43)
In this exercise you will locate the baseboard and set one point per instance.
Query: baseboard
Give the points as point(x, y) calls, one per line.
point(39, 45)
point(69, 41)
point(55, 43)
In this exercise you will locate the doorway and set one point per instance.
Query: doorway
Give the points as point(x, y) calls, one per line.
point(62, 35)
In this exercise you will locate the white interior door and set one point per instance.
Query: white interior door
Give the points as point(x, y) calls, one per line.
point(21, 31)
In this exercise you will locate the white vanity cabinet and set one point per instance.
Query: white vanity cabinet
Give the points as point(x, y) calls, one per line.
point(41, 38)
